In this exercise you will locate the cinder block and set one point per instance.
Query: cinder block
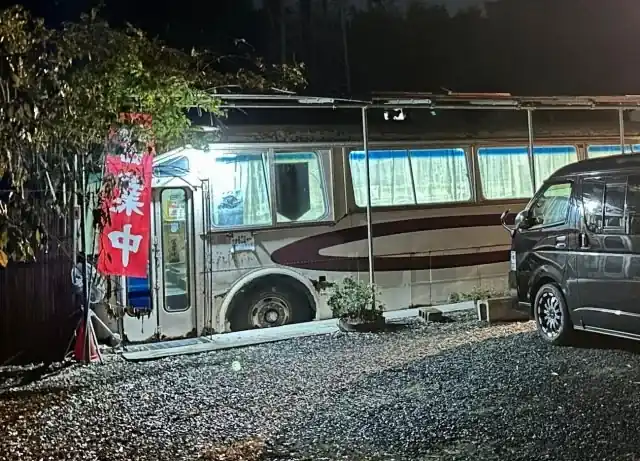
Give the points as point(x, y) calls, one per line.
point(431, 314)
point(499, 310)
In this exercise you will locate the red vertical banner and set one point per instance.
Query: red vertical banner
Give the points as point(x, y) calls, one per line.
point(124, 238)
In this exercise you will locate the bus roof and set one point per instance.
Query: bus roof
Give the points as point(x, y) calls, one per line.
point(435, 131)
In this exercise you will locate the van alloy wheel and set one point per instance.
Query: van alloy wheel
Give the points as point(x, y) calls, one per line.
point(550, 315)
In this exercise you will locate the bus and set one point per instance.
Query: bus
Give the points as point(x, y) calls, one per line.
point(251, 232)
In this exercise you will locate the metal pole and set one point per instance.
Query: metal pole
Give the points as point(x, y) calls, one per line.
point(74, 194)
point(532, 164)
point(365, 145)
point(85, 269)
point(621, 125)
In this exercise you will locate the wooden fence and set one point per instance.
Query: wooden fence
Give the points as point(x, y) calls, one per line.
point(36, 311)
point(37, 314)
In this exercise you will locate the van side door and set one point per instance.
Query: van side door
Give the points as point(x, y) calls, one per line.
point(608, 294)
point(546, 243)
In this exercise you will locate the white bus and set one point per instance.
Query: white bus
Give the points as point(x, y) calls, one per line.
point(250, 233)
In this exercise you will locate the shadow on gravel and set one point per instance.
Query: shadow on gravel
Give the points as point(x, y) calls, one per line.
point(396, 326)
point(14, 377)
point(29, 394)
point(21, 404)
point(584, 340)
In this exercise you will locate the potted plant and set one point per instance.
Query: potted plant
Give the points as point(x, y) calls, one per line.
point(357, 306)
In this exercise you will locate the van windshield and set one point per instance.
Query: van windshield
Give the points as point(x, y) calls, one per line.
point(551, 206)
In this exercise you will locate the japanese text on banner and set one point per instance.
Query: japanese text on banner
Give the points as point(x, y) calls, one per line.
point(124, 240)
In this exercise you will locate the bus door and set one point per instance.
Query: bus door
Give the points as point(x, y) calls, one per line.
point(174, 285)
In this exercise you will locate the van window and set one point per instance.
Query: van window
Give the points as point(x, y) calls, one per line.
point(592, 199)
point(552, 205)
point(604, 205)
point(614, 197)
point(633, 205)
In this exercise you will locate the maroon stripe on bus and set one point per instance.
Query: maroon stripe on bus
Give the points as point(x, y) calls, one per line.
point(305, 253)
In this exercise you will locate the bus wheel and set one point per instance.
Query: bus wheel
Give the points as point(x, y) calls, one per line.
point(266, 305)
point(552, 316)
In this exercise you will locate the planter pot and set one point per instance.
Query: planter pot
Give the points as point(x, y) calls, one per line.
point(350, 325)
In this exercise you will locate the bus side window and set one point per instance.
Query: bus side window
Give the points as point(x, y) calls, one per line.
point(301, 194)
point(402, 177)
point(506, 174)
point(605, 150)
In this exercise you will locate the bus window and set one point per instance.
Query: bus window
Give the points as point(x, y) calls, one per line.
point(505, 172)
point(605, 150)
point(411, 177)
point(240, 190)
point(390, 174)
point(440, 175)
point(300, 187)
point(548, 159)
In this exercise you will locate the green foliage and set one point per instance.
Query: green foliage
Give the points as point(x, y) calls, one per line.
point(355, 300)
point(62, 90)
point(477, 294)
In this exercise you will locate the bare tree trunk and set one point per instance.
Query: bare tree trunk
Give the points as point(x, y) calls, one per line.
point(283, 32)
point(345, 46)
point(306, 34)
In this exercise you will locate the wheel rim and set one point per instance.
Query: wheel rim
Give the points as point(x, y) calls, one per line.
point(270, 311)
point(550, 316)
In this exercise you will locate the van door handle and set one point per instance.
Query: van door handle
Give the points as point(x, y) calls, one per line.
point(584, 241)
point(561, 241)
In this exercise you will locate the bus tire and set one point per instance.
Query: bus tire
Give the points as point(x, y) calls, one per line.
point(267, 303)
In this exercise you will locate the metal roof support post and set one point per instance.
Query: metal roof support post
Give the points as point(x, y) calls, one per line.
point(365, 147)
point(532, 164)
point(621, 125)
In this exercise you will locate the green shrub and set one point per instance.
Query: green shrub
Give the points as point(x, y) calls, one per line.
point(355, 300)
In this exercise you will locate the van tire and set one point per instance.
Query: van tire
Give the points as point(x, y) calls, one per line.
point(263, 301)
point(552, 315)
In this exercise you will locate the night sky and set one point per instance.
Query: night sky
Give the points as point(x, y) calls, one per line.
point(517, 46)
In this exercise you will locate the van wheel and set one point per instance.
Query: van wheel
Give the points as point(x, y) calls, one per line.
point(266, 306)
point(552, 316)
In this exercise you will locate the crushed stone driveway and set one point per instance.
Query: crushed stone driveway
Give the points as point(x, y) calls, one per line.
point(457, 391)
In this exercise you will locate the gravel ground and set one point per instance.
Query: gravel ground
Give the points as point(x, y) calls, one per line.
point(456, 391)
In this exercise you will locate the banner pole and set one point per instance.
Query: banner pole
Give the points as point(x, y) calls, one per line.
point(85, 268)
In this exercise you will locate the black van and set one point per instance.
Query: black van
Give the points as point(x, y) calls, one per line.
point(575, 254)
